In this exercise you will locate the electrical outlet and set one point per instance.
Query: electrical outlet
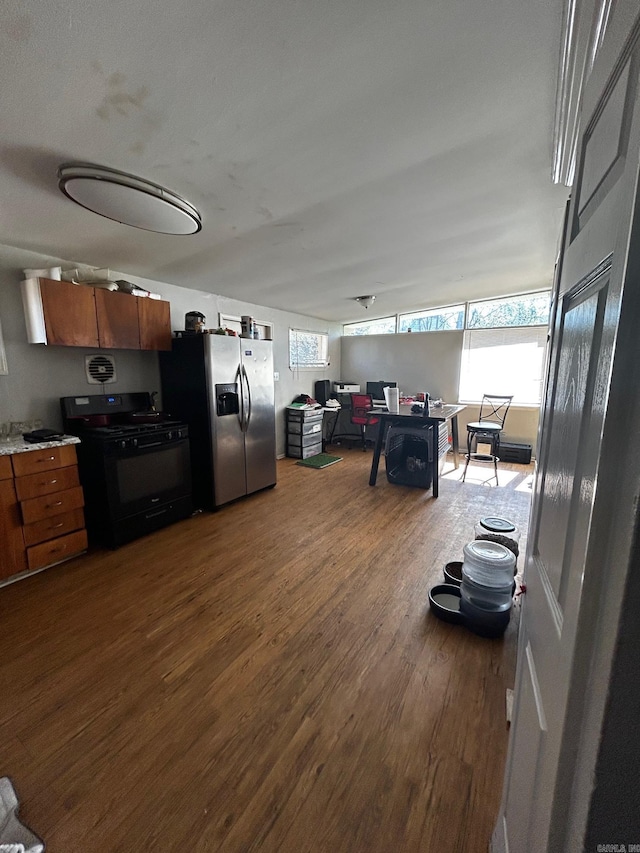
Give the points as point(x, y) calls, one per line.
point(276, 376)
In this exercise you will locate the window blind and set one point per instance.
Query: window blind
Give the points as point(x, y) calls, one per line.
point(503, 361)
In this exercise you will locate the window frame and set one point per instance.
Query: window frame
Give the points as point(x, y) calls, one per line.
point(393, 317)
point(436, 310)
point(466, 305)
point(514, 297)
point(297, 366)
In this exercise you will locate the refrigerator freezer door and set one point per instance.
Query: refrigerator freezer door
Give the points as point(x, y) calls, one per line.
point(222, 356)
point(260, 418)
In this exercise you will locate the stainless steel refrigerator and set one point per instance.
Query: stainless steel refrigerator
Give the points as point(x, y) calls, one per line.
point(222, 386)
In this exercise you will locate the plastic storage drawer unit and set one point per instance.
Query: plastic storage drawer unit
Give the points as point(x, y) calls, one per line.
point(304, 432)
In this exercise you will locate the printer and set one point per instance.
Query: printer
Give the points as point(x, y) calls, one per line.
point(345, 388)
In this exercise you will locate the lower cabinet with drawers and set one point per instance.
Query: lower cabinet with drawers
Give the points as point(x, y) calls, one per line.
point(41, 509)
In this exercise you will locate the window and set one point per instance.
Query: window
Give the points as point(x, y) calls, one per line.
point(383, 326)
point(308, 350)
point(531, 309)
point(503, 361)
point(435, 320)
point(503, 348)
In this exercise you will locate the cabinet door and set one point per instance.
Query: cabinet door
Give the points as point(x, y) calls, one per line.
point(117, 320)
point(13, 558)
point(155, 323)
point(69, 313)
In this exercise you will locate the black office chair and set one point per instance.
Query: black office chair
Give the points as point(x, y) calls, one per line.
point(493, 414)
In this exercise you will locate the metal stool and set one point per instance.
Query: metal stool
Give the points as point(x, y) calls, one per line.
point(493, 414)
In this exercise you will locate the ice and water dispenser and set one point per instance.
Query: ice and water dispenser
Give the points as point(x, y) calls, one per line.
point(227, 399)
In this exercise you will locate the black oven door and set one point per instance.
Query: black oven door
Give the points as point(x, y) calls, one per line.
point(139, 479)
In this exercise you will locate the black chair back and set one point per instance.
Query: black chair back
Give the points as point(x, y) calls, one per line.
point(494, 409)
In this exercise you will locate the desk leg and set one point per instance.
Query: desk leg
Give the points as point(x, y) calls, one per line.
point(454, 440)
point(434, 454)
point(376, 454)
point(331, 426)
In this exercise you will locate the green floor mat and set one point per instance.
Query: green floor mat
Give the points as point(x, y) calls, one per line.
point(320, 460)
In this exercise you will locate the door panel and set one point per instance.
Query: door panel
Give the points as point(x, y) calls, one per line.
point(260, 441)
point(605, 147)
point(526, 749)
point(570, 405)
point(117, 320)
point(154, 320)
point(570, 517)
point(69, 313)
point(222, 367)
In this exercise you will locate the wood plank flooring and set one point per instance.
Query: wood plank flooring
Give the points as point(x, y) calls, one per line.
point(267, 677)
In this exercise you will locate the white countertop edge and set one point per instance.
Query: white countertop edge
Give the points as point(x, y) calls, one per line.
point(19, 445)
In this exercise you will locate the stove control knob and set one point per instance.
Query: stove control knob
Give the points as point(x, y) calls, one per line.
point(122, 443)
point(134, 442)
point(169, 436)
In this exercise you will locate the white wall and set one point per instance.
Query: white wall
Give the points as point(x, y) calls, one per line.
point(39, 375)
point(426, 361)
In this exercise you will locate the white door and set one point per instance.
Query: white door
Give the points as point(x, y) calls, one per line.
point(584, 509)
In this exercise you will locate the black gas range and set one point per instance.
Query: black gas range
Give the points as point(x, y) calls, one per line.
point(136, 475)
point(121, 436)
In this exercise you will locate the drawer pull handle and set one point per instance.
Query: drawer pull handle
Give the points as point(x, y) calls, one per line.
point(55, 526)
point(57, 549)
point(57, 503)
point(49, 459)
point(53, 482)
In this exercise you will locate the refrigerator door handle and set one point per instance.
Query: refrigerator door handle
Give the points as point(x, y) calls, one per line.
point(248, 418)
point(238, 378)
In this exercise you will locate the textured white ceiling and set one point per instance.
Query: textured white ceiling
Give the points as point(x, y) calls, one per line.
point(334, 147)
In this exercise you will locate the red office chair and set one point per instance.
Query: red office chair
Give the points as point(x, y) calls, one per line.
point(361, 405)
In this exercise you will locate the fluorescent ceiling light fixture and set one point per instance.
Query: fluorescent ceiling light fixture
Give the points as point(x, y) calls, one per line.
point(365, 301)
point(128, 199)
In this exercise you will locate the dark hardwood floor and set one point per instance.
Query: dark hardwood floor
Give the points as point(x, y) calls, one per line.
point(267, 677)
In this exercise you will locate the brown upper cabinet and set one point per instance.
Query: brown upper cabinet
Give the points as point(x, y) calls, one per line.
point(155, 324)
point(72, 315)
point(117, 320)
point(69, 314)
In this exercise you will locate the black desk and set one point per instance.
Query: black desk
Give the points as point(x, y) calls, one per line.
point(436, 417)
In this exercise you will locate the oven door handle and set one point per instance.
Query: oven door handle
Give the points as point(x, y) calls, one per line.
point(248, 418)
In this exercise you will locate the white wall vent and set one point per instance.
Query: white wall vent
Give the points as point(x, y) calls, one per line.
point(100, 369)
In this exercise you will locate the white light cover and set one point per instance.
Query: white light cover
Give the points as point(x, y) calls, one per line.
point(365, 301)
point(128, 199)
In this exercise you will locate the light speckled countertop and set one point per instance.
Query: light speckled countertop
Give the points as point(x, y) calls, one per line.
point(19, 445)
